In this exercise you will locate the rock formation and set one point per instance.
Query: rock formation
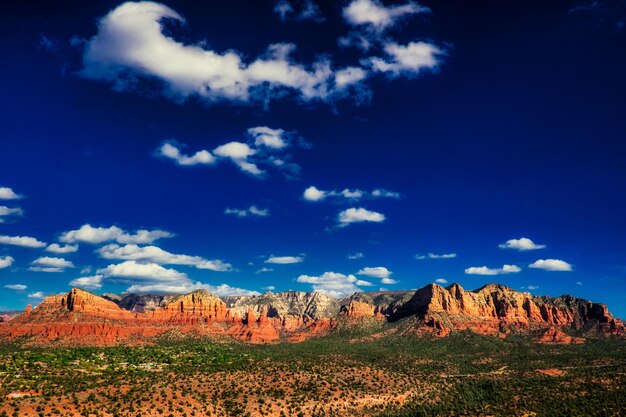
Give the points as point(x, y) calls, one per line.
point(81, 317)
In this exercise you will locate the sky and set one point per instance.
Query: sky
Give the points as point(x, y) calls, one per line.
point(332, 146)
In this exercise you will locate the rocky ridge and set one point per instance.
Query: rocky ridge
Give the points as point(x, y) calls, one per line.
point(81, 317)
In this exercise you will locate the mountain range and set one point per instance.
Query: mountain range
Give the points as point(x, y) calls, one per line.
point(83, 318)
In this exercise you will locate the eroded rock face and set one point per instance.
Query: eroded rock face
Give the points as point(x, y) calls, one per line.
point(289, 303)
point(199, 306)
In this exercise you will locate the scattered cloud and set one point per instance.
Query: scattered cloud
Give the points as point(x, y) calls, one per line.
point(156, 255)
point(359, 215)
point(522, 244)
point(483, 270)
point(142, 271)
point(131, 46)
point(269, 288)
point(579, 283)
point(282, 260)
point(6, 212)
point(298, 10)
point(533, 287)
point(6, 262)
point(24, 241)
point(252, 211)
point(238, 153)
point(431, 255)
point(7, 193)
point(56, 248)
point(222, 290)
point(334, 284)
point(91, 283)
point(263, 270)
point(49, 264)
point(442, 281)
point(268, 137)
point(314, 194)
point(375, 272)
point(551, 265)
point(38, 294)
point(95, 235)
point(16, 287)
point(357, 255)
point(172, 151)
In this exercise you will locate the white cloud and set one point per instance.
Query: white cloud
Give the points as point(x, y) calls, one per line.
point(407, 59)
point(436, 256)
point(95, 235)
point(358, 215)
point(253, 211)
point(56, 248)
point(16, 287)
point(239, 152)
point(282, 260)
point(156, 255)
point(7, 193)
point(375, 14)
point(357, 255)
point(25, 241)
point(551, 265)
point(6, 262)
point(130, 44)
point(441, 281)
point(533, 287)
point(263, 270)
point(388, 281)
point(314, 194)
point(39, 294)
point(375, 272)
point(522, 244)
point(303, 10)
point(268, 137)
point(222, 290)
point(49, 264)
point(171, 150)
point(142, 271)
point(349, 76)
point(269, 288)
point(93, 282)
point(9, 211)
point(579, 283)
point(334, 284)
point(483, 270)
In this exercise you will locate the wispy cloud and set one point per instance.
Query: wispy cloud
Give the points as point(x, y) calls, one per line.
point(50, 264)
point(283, 260)
point(94, 235)
point(354, 256)
point(359, 215)
point(38, 295)
point(16, 287)
point(298, 10)
point(7, 193)
point(6, 262)
point(252, 211)
point(334, 284)
point(431, 255)
point(9, 213)
point(314, 194)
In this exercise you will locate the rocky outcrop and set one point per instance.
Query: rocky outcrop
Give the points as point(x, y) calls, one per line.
point(554, 336)
point(199, 306)
point(140, 303)
point(289, 303)
point(253, 330)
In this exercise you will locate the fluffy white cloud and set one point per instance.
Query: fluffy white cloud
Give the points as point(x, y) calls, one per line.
point(268, 137)
point(551, 265)
point(156, 255)
point(7, 193)
point(16, 287)
point(522, 244)
point(56, 248)
point(314, 194)
point(38, 294)
point(483, 270)
point(9, 211)
point(283, 260)
point(6, 262)
point(357, 255)
point(298, 10)
point(222, 290)
point(130, 44)
point(25, 241)
point(442, 281)
point(407, 59)
point(334, 284)
point(92, 283)
point(239, 152)
point(436, 256)
point(375, 272)
point(171, 150)
point(388, 281)
point(95, 235)
point(375, 14)
point(142, 271)
point(359, 215)
point(253, 211)
point(49, 264)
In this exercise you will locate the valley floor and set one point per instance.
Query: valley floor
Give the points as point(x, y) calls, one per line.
point(339, 375)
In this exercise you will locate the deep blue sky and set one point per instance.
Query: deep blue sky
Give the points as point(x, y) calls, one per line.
point(518, 131)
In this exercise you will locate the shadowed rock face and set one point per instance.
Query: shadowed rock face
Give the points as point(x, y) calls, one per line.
point(81, 317)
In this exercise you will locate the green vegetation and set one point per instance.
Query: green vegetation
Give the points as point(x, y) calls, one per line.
point(464, 374)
